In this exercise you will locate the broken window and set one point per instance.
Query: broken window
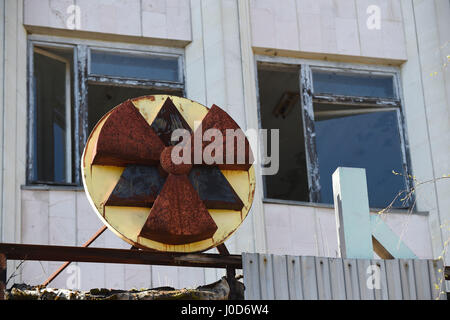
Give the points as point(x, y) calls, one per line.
point(280, 109)
point(102, 98)
point(339, 119)
point(72, 86)
point(117, 76)
point(52, 133)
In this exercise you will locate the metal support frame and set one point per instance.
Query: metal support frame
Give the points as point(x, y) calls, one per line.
point(65, 265)
point(231, 272)
point(10, 251)
point(223, 251)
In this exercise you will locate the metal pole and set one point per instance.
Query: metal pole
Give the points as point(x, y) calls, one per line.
point(231, 272)
point(64, 266)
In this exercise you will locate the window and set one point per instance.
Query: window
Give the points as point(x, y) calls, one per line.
point(52, 131)
point(72, 85)
point(137, 66)
point(117, 76)
point(280, 109)
point(331, 118)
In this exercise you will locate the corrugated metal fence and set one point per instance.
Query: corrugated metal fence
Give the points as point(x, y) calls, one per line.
point(270, 277)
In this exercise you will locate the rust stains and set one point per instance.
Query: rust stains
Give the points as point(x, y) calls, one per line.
point(126, 138)
point(178, 215)
point(179, 195)
point(169, 166)
point(218, 119)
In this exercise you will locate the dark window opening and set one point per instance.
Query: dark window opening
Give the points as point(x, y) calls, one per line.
point(71, 87)
point(353, 120)
point(52, 144)
point(280, 109)
point(102, 98)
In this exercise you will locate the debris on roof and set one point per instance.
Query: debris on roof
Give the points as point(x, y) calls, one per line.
point(219, 290)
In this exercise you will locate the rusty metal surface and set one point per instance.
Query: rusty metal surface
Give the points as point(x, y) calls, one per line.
point(179, 204)
point(66, 264)
point(222, 249)
point(29, 252)
point(126, 138)
point(178, 215)
point(177, 196)
point(170, 167)
point(220, 120)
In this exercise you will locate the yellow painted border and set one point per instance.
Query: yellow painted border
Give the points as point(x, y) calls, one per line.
point(126, 222)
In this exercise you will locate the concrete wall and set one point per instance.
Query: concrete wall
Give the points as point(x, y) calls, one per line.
point(157, 19)
point(426, 88)
point(12, 119)
point(311, 231)
point(66, 218)
point(328, 28)
point(220, 39)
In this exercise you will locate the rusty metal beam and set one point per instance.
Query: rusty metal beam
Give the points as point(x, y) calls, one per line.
point(231, 272)
point(85, 245)
point(125, 256)
point(223, 249)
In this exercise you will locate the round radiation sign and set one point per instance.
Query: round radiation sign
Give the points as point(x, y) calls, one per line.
point(168, 174)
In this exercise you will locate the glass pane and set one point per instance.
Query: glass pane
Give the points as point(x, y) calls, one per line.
point(368, 140)
point(126, 65)
point(50, 116)
point(280, 109)
point(353, 84)
point(102, 98)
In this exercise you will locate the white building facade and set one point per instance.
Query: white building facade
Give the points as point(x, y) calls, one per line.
point(384, 61)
